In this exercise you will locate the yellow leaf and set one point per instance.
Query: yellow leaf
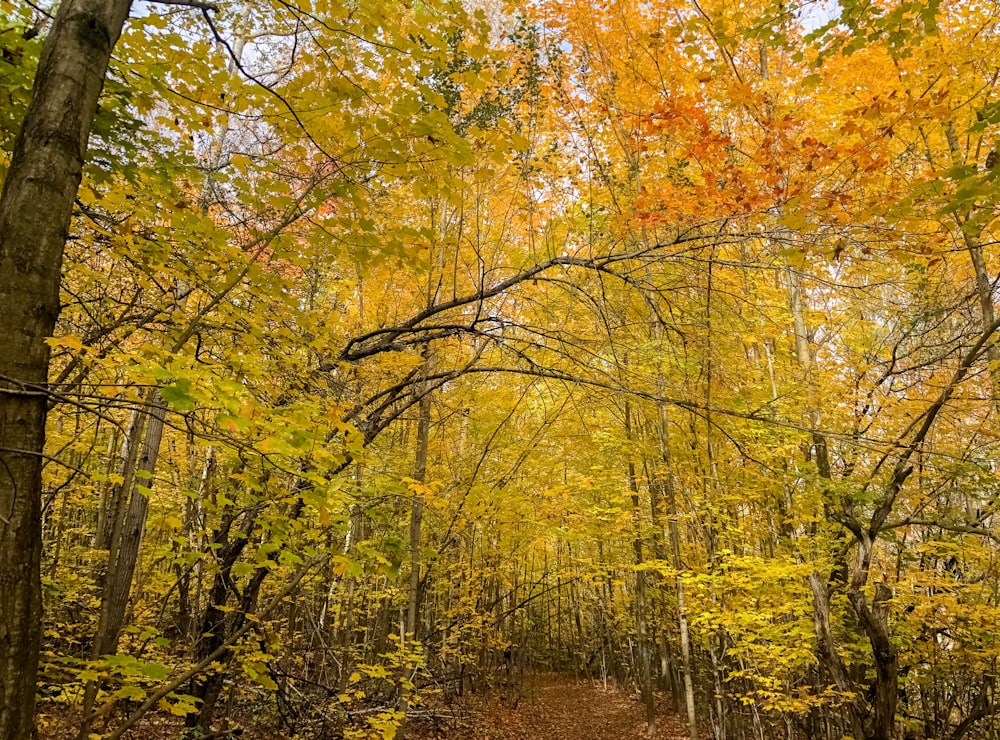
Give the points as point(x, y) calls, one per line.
point(68, 341)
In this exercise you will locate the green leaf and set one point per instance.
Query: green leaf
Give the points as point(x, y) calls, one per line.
point(178, 395)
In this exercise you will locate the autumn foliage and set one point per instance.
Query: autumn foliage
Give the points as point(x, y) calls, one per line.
point(408, 348)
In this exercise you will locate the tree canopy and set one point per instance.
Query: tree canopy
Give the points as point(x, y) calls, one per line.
point(363, 354)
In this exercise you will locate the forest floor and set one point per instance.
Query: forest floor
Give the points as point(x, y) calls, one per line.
point(554, 707)
point(546, 706)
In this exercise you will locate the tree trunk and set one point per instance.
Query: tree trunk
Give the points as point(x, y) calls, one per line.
point(127, 521)
point(215, 624)
point(416, 516)
point(35, 209)
point(670, 497)
point(126, 552)
point(642, 626)
point(828, 655)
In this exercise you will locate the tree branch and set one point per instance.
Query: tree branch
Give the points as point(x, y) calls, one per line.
point(196, 4)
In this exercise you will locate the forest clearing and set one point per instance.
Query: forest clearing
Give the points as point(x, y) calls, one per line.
point(384, 369)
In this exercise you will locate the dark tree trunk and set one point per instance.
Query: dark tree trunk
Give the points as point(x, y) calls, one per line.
point(35, 208)
point(216, 623)
point(874, 622)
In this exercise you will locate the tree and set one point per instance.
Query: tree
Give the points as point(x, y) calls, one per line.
point(35, 208)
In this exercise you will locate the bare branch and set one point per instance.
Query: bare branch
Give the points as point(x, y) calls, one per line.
point(196, 4)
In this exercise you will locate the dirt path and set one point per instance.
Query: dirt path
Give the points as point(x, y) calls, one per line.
point(559, 708)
